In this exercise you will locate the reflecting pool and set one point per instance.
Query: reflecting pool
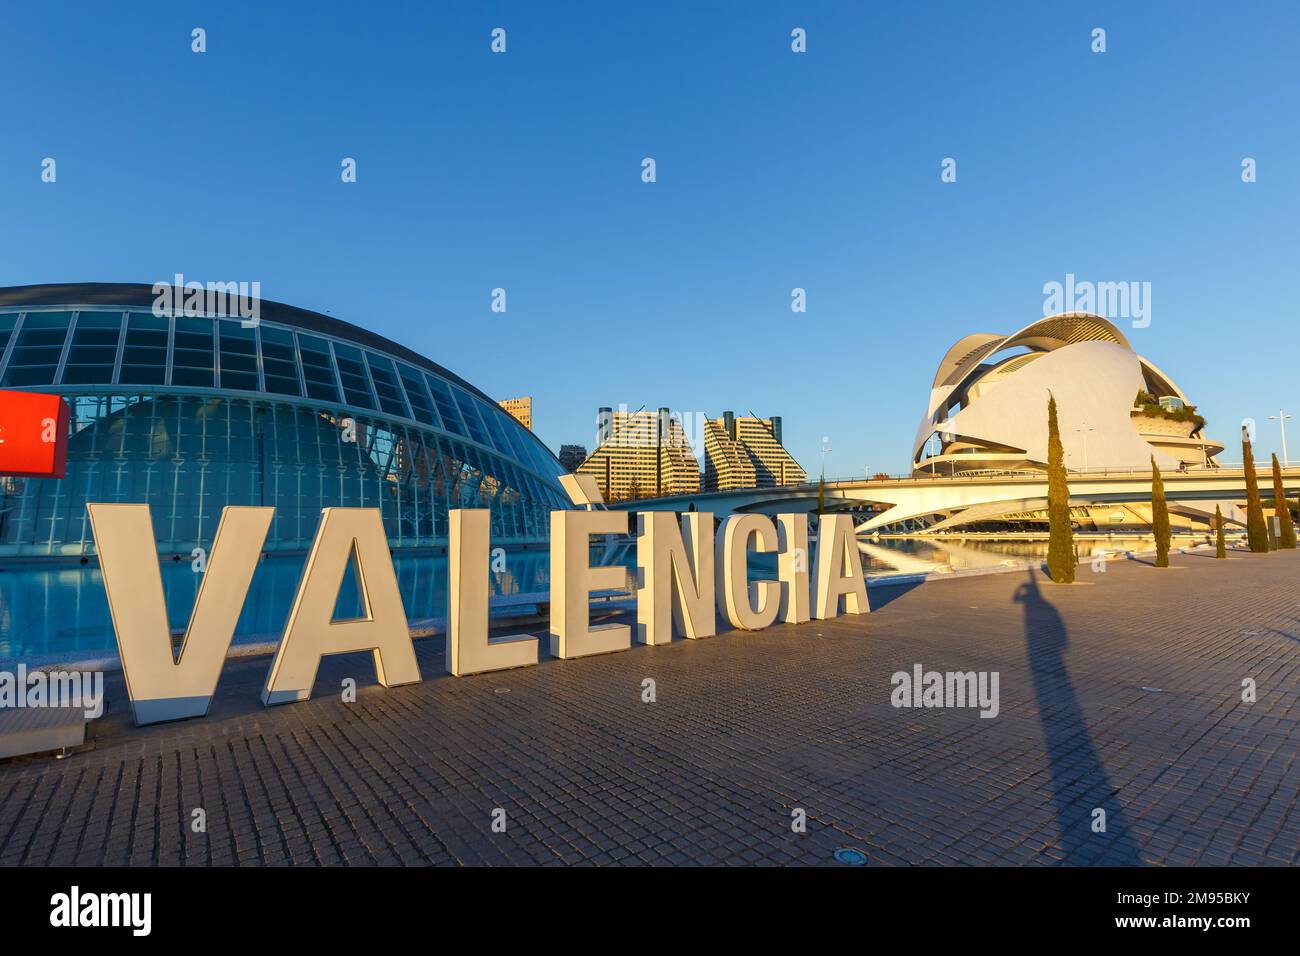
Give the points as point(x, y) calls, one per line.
point(926, 554)
point(60, 612)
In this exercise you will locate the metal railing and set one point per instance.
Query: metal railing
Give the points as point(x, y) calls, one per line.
point(1198, 471)
point(1225, 470)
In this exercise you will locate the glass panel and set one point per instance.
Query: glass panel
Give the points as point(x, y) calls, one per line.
point(238, 356)
point(491, 419)
point(188, 456)
point(352, 374)
point(466, 406)
point(386, 387)
point(279, 365)
point(540, 461)
point(518, 441)
point(317, 369)
point(144, 359)
point(446, 407)
point(37, 351)
point(418, 396)
point(7, 322)
point(94, 348)
point(192, 353)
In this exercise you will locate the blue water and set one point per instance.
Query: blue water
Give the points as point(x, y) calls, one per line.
point(62, 612)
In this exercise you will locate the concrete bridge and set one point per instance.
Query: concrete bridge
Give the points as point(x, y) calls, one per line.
point(945, 502)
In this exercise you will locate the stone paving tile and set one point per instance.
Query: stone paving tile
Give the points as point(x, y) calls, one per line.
point(1122, 692)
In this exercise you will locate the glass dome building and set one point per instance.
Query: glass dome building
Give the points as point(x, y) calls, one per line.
point(300, 411)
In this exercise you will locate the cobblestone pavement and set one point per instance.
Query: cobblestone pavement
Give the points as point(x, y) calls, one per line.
point(1122, 693)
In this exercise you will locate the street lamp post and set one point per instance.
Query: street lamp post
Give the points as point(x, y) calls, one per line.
point(1281, 419)
point(1083, 430)
point(825, 448)
point(944, 430)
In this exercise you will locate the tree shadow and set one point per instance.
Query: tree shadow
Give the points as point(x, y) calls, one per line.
point(1078, 777)
point(880, 595)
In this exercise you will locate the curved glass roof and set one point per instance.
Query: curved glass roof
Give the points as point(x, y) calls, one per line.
point(70, 337)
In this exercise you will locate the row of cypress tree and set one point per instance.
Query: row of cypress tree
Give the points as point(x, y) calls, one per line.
point(1060, 547)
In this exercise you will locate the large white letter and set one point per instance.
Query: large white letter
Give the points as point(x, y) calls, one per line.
point(792, 567)
point(162, 687)
point(573, 579)
point(839, 568)
point(676, 567)
point(312, 632)
point(468, 649)
point(750, 607)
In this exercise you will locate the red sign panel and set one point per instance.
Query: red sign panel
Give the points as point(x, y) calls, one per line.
point(33, 434)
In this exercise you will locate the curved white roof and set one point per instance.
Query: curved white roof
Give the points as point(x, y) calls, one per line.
point(1098, 382)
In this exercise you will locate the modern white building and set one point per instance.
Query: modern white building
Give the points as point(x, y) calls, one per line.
point(987, 410)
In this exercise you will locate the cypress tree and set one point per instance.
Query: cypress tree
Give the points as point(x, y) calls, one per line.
point(1256, 533)
point(1220, 546)
point(1159, 516)
point(1282, 508)
point(1060, 543)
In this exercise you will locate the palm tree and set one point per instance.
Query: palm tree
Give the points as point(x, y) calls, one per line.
point(1256, 533)
point(1060, 541)
point(1159, 516)
point(1220, 546)
point(1282, 508)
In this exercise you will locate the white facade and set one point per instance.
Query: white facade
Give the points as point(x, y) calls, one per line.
point(988, 404)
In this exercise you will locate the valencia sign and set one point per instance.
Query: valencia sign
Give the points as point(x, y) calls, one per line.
point(688, 574)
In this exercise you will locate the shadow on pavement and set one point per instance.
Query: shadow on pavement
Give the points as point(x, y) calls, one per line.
point(880, 595)
point(1078, 778)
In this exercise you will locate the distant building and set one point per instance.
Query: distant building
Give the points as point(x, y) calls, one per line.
point(747, 453)
point(641, 454)
point(521, 409)
point(571, 456)
point(987, 405)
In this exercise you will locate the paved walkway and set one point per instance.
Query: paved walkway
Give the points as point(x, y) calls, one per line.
point(1121, 693)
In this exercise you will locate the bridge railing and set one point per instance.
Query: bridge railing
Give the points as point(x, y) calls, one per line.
point(983, 474)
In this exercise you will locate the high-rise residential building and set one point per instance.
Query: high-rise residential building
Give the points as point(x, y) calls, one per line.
point(521, 409)
point(747, 453)
point(571, 456)
point(641, 454)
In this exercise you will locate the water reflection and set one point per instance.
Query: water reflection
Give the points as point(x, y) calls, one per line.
point(56, 611)
point(963, 552)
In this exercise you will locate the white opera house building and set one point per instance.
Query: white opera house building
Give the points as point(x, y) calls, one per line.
point(988, 404)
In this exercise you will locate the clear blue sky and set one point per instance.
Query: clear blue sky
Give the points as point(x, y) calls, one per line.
point(775, 170)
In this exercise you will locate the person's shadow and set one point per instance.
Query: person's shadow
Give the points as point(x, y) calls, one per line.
point(1078, 779)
